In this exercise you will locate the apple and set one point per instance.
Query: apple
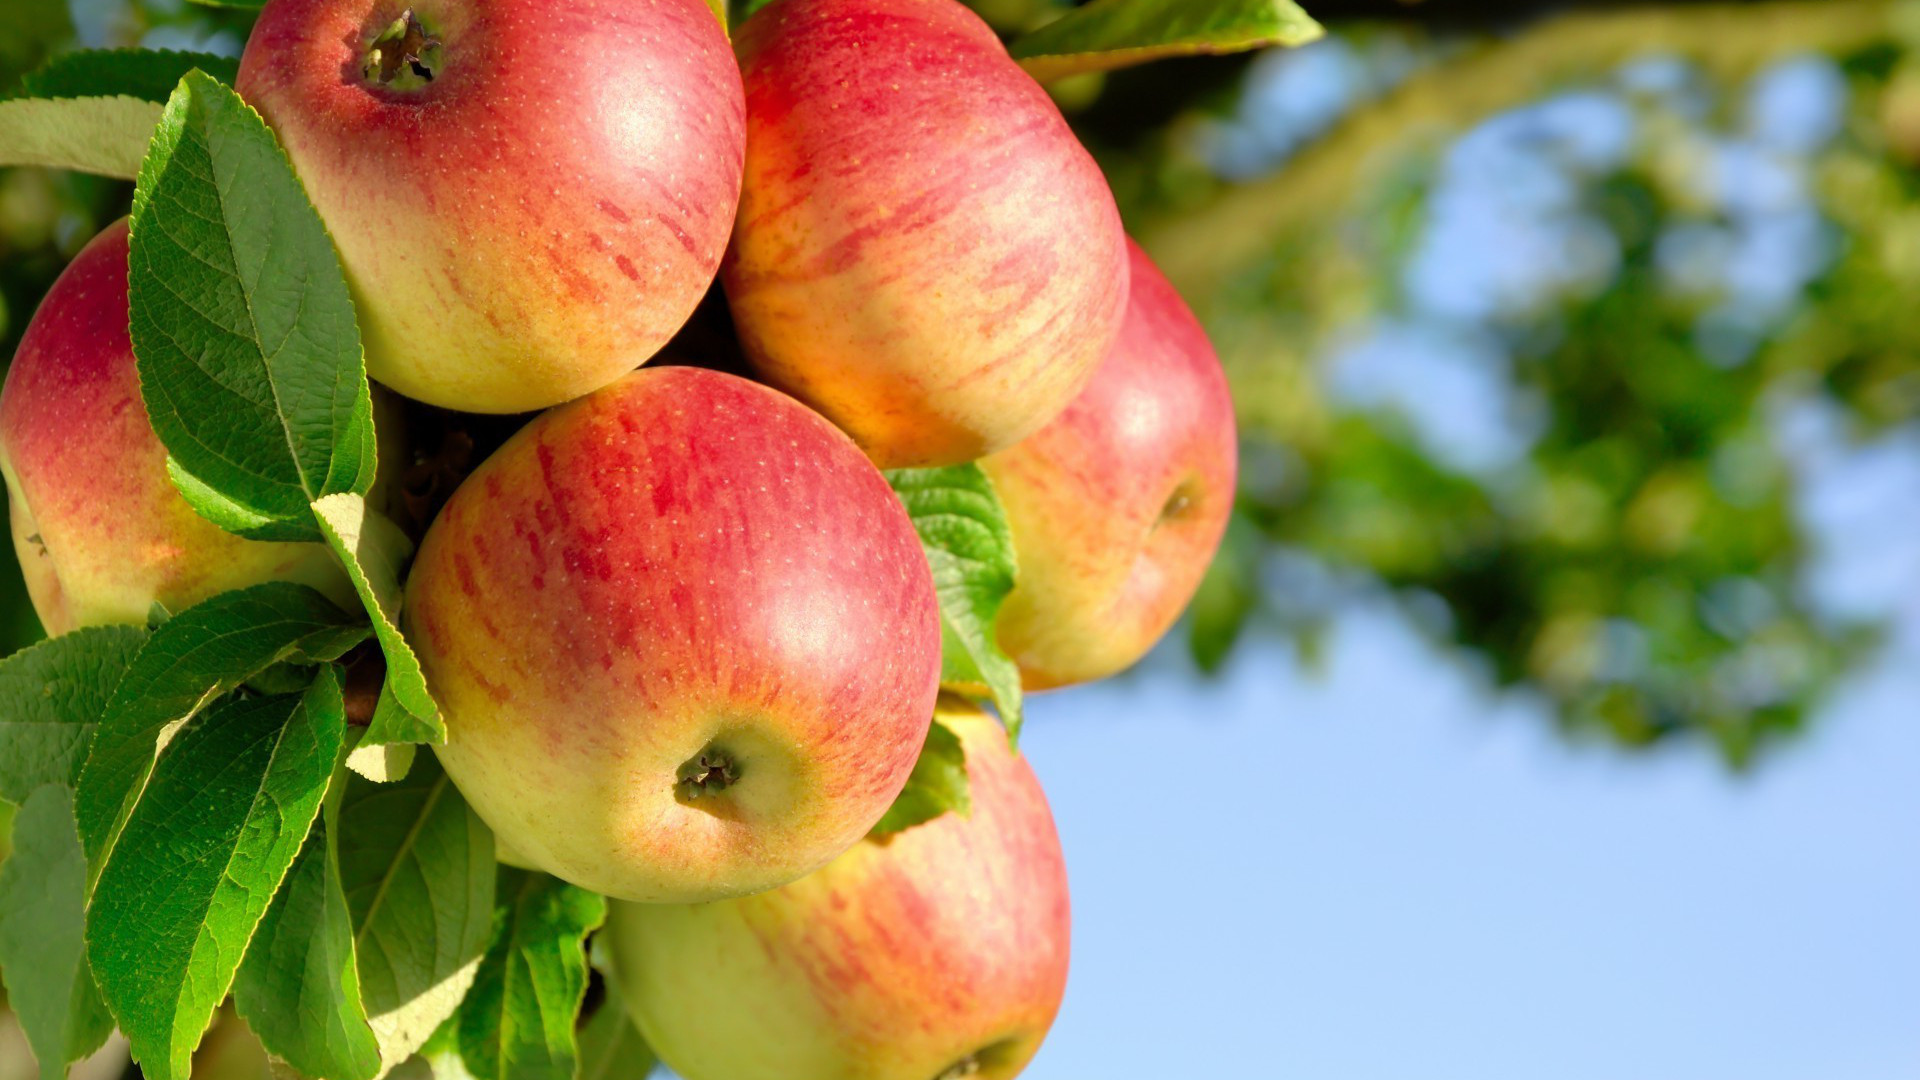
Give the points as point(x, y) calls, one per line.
point(528, 198)
point(100, 531)
point(684, 636)
point(939, 951)
point(1117, 506)
point(924, 251)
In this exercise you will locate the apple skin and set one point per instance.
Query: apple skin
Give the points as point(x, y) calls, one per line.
point(1118, 505)
point(896, 962)
point(924, 251)
point(541, 217)
point(683, 560)
point(99, 529)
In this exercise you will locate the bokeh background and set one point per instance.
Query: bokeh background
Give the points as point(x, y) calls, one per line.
point(1554, 706)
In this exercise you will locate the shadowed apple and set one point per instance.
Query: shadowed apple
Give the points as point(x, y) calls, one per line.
point(924, 251)
point(1118, 505)
point(937, 952)
point(529, 198)
point(684, 635)
point(99, 528)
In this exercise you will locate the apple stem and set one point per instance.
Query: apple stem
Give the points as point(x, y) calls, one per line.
point(404, 56)
point(709, 772)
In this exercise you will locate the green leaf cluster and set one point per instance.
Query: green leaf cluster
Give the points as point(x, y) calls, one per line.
point(183, 835)
point(51, 698)
point(188, 828)
point(517, 1020)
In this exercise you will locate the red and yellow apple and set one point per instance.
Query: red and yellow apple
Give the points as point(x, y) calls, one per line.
point(684, 636)
point(1117, 506)
point(939, 951)
point(100, 531)
point(924, 251)
point(529, 198)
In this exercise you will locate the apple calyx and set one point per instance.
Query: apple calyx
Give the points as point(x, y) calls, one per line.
point(404, 57)
point(977, 1063)
point(708, 772)
point(960, 1070)
point(1178, 503)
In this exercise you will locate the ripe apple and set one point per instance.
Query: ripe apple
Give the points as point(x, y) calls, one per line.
point(684, 636)
point(939, 951)
point(529, 198)
point(1117, 506)
point(924, 252)
point(100, 531)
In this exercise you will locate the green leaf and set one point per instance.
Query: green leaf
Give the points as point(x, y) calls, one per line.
point(95, 110)
point(146, 74)
point(417, 867)
point(382, 763)
point(393, 725)
point(282, 679)
point(107, 136)
point(964, 530)
point(299, 987)
point(228, 808)
point(198, 655)
point(937, 784)
point(243, 331)
point(43, 898)
point(234, 5)
point(374, 551)
point(51, 698)
point(517, 1023)
point(1108, 34)
point(611, 1047)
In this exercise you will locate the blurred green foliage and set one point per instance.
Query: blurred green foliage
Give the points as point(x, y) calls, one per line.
point(1640, 562)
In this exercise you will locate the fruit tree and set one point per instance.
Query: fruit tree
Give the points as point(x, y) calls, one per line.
point(535, 505)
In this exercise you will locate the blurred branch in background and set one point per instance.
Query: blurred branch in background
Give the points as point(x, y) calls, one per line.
point(1536, 319)
point(1200, 243)
point(1542, 332)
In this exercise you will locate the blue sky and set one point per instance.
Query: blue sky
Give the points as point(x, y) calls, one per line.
point(1381, 871)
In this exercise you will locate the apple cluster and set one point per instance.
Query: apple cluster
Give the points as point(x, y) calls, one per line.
point(683, 632)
